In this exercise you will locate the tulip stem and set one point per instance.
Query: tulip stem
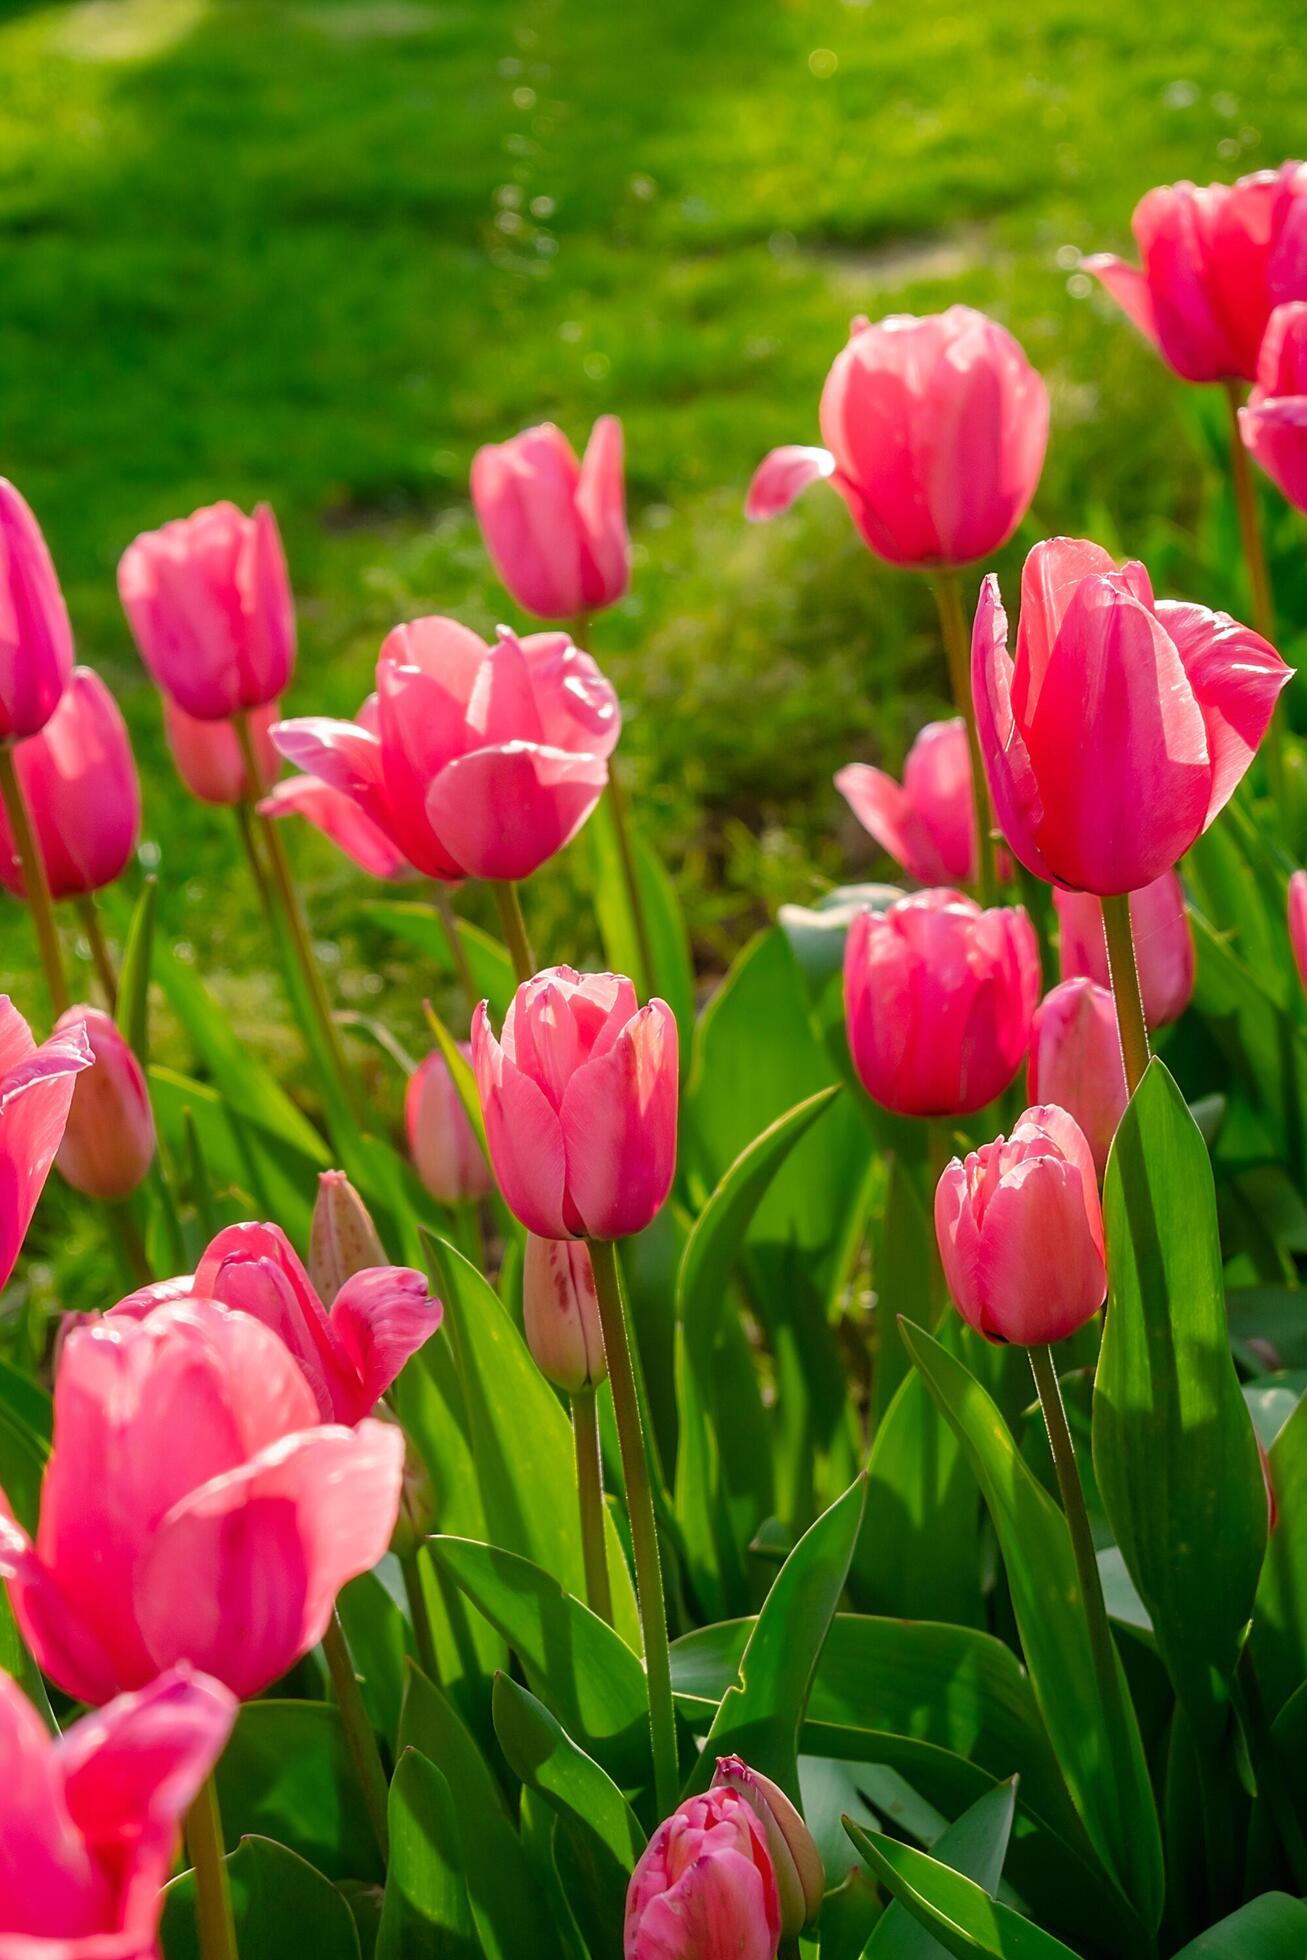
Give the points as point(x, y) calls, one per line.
point(515, 933)
point(448, 918)
point(415, 1593)
point(360, 1737)
point(35, 883)
point(1259, 578)
point(204, 1843)
point(644, 1529)
point(590, 1497)
point(1131, 1025)
point(953, 628)
point(99, 945)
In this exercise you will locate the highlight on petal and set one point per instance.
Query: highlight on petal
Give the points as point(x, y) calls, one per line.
point(503, 812)
point(782, 476)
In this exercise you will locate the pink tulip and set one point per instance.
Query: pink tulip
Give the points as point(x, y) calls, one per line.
point(82, 793)
point(938, 1000)
point(36, 641)
point(1274, 424)
point(555, 528)
point(1164, 945)
point(1216, 260)
point(704, 1888)
point(194, 1507)
point(560, 1313)
point(108, 1144)
point(36, 1090)
point(1020, 1232)
point(339, 817)
point(89, 1821)
point(1298, 922)
point(1123, 727)
point(441, 1140)
point(927, 823)
point(579, 1097)
point(935, 435)
point(210, 760)
point(1076, 1061)
point(800, 1877)
point(484, 761)
point(209, 602)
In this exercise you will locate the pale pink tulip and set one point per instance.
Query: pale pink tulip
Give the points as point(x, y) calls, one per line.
point(1164, 946)
point(927, 822)
point(1076, 1061)
point(560, 1313)
point(109, 1141)
point(441, 1141)
point(36, 1089)
point(1274, 423)
point(82, 793)
point(36, 641)
point(210, 760)
point(704, 1888)
point(555, 528)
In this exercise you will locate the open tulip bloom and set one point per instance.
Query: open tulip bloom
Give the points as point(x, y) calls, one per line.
point(36, 1092)
point(1274, 422)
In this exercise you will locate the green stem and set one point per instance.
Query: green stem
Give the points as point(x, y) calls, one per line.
point(245, 824)
point(204, 1843)
point(939, 1140)
point(35, 883)
point(101, 959)
point(128, 1243)
point(590, 1498)
point(415, 1592)
point(457, 950)
point(1259, 578)
point(360, 1738)
point(953, 628)
point(1272, 1777)
point(515, 934)
point(644, 1531)
point(1131, 1025)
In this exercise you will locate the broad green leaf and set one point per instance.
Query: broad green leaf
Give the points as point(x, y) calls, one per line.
point(377, 1633)
point(1175, 1453)
point(286, 1774)
point(425, 1914)
point(27, 1401)
point(1275, 1317)
point(132, 1013)
point(410, 919)
point(1273, 1927)
point(958, 1914)
point(908, 1281)
point(673, 974)
point(22, 1465)
point(280, 1904)
point(238, 1154)
point(918, 1551)
point(975, 1845)
point(1263, 1045)
point(1279, 1634)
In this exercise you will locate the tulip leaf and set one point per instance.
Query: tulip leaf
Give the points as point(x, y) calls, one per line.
point(280, 1905)
point(1272, 1927)
point(1279, 1636)
point(975, 1845)
point(425, 1913)
point(238, 1155)
point(22, 1465)
point(918, 1551)
point(286, 1773)
point(1260, 1039)
point(1175, 1453)
point(132, 1012)
point(377, 1634)
point(958, 1914)
point(673, 974)
point(419, 924)
point(27, 1402)
point(1102, 1759)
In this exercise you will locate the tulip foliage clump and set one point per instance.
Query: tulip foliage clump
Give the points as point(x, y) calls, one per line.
point(804, 1460)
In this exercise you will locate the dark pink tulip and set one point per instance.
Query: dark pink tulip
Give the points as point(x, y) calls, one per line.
point(704, 1888)
point(1164, 946)
point(82, 793)
point(1274, 424)
point(800, 1876)
point(89, 1821)
point(555, 528)
point(36, 1089)
point(441, 1140)
point(108, 1144)
point(938, 1000)
point(935, 434)
point(560, 1313)
point(210, 760)
point(484, 761)
point(209, 602)
point(1298, 922)
point(36, 641)
point(1076, 1061)
point(579, 1096)
point(1216, 259)
point(1020, 1232)
point(927, 822)
point(194, 1507)
point(1124, 725)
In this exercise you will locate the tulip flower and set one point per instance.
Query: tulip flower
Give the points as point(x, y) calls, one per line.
point(194, 1507)
point(109, 1141)
point(441, 1140)
point(938, 1000)
point(80, 785)
point(579, 1096)
point(339, 817)
point(1164, 946)
point(89, 1821)
point(1123, 726)
point(560, 1313)
point(483, 762)
point(1274, 422)
point(1076, 1061)
point(1215, 260)
point(1020, 1232)
point(704, 1888)
point(36, 1090)
point(555, 528)
point(342, 1237)
point(36, 641)
point(927, 823)
point(210, 760)
point(1298, 922)
point(935, 433)
point(209, 603)
point(800, 1878)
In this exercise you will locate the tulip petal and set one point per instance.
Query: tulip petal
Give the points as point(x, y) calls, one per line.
point(503, 812)
point(340, 818)
point(501, 707)
point(380, 1318)
point(47, 1879)
point(343, 756)
point(600, 505)
point(523, 492)
point(782, 476)
point(885, 811)
point(1034, 1225)
point(256, 1270)
point(576, 704)
point(619, 1126)
point(524, 1134)
point(1128, 287)
point(1236, 677)
point(36, 1091)
point(72, 1652)
point(1049, 578)
point(1018, 806)
point(958, 1239)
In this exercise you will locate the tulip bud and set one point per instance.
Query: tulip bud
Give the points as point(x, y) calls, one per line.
point(705, 1886)
point(441, 1140)
point(342, 1237)
point(108, 1145)
point(1076, 1061)
point(560, 1311)
point(82, 793)
point(209, 757)
point(36, 641)
point(555, 528)
point(800, 1875)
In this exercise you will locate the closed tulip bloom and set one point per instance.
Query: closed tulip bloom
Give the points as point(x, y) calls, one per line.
point(800, 1878)
point(343, 1240)
point(36, 1090)
point(927, 822)
point(36, 641)
point(555, 528)
point(109, 1142)
point(560, 1313)
point(935, 432)
point(441, 1141)
point(194, 1507)
point(1298, 922)
point(1215, 260)
point(89, 1820)
point(1123, 726)
point(1164, 945)
point(1076, 1061)
point(1274, 423)
point(82, 793)
point(339, 817)
point(483, 761)
point(209, 603)
point(1020, 1232)
point(704, 1888)
point(210, 760)
point(579, 1096)
point(938, 1000)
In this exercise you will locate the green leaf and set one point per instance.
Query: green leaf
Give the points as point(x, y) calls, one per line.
point(376, 1632)
point(1175, 1453)
point(959, 1915)
point(286, 1774)
point(673, 974)
point(1280, 1620)
point(411, 920)
point(280, 1904)
point(1264, 1047)
point(1273, 1316)
point(22, 1466)
point(425, 1911)
point(919, 1551)
point(1273, 1927)
point(132, 1013)
point(17, 1663)
point(975, 1845)
point(239, 1155)
point(28, 1402)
